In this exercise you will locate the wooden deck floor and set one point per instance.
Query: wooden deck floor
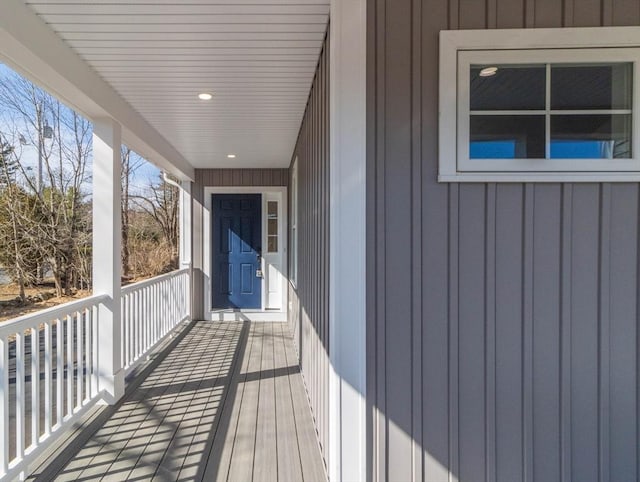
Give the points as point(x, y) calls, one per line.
point(226, 403)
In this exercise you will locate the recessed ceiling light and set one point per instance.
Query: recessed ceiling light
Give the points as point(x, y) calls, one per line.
point(231, 156)
point(205, 96)
point(488, 71)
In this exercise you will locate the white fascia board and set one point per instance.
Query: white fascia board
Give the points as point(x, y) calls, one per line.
point(32, 48)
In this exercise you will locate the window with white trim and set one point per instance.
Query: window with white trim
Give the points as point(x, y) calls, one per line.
point(545, 107)
point(293, 275)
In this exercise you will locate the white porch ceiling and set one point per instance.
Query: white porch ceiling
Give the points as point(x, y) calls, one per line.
point(257, 58)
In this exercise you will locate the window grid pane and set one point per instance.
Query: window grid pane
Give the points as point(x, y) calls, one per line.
point(618, 146)
point(272, 226)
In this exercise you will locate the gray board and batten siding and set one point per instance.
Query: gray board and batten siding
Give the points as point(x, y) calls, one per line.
point(503, 318)
point(309, 299)
point(221, 178)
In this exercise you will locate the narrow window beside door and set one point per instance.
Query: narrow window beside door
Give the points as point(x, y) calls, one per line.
point(272, 226)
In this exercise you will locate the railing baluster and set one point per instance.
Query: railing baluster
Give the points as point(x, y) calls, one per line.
point(20, 395)
point(136, 326)
point(123, 340)
point(48, 369)
point(158, 308)
point(35, 386)
point(130, 327)
point(27, 411)
point(140, 323)
point(127, 329)
point(165, 306)
point(59, 370)
point(87, 354)
point(69, 365)
point(152, 307)
point(155, 330)
point(176, 300)
point(79, 355)
point(95, 389)
point(4, 405)
point(145, 319)
point(150, 310)
point(143, 331)
point(125, 333)
point(148, 320)
point(169, 304)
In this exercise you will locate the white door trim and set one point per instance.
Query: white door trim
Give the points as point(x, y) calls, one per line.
point(264, 314)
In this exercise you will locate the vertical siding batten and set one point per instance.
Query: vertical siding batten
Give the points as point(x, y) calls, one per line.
point(454, 332)
point(527, 333)
point(379, 198)
point(490, 331)
point(604, 335)
point(565, 317)
point(309, 302)
point(416, 241)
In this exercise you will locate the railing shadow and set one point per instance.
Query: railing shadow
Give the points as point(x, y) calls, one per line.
point(176, 416)
point(82, 437)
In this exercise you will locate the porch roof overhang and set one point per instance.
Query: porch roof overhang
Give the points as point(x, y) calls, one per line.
point(143, 63)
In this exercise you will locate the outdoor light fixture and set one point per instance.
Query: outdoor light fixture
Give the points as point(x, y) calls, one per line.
point(205, 96)
point(488, 71)
point(47, 131)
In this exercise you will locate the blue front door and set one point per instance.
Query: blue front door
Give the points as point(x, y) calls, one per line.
point(237, 234)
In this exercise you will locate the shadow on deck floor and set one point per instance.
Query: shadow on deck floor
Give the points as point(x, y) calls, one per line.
point(224, 401)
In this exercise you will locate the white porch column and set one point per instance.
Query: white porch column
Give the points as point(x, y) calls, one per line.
point(186, 207)
point(186, 236)
point(347, 309)
point(106, 254)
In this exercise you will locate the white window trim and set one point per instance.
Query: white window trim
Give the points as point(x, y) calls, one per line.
point(460, 48)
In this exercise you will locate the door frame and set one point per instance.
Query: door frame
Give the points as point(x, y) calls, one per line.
point(269, 193)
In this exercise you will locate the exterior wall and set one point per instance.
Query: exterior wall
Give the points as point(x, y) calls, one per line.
point(503, 331)
point(221, 178)
point(309, 300)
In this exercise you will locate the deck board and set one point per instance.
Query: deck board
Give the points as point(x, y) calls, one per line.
point(312, 467)
point(266, 460)
point(227, 402)
point(244, 443)
point(289, 465)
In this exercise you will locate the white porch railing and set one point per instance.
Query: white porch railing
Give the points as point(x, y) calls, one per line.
point(47, 378)
point(150, 310)
point(49, 362)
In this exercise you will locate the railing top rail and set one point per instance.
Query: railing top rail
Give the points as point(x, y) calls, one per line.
point(31, 320)
point(148, 282)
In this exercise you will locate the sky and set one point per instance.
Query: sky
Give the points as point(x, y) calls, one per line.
point(143, 176)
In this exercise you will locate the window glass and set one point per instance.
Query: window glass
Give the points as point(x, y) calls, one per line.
point(272, 244)
point(508, 87)
point(591, 136)
point(507, 136)
point(272, 226)
point(582, 112)
point(598, 86)
point(272, 209)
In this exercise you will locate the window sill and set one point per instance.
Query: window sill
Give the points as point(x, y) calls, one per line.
point(540, 177)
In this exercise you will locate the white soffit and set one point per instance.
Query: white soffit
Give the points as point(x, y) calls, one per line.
point(257, 58)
